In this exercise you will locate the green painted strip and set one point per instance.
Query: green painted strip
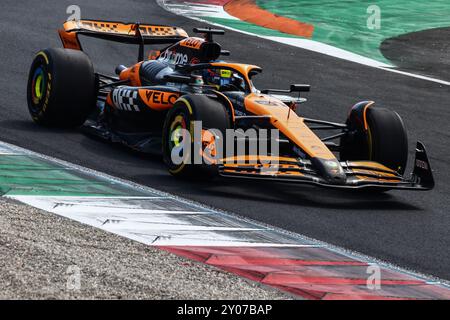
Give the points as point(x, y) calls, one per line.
point(343, 23)
point(28, 175)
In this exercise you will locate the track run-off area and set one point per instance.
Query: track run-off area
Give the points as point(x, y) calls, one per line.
point(303, 267)
point(409, 230)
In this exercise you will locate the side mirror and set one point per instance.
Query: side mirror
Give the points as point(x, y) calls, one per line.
point(300, 88)
point(293, 88)
point(119, 69)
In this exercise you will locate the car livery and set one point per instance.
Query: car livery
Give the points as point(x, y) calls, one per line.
point(149, 106)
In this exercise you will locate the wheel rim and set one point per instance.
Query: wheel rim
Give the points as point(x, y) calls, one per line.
point(38, 85)
point(177, 142)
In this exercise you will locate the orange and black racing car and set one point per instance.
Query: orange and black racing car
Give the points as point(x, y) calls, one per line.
point(156, 104)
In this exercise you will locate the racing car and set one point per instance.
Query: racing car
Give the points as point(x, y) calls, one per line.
point(154, 105)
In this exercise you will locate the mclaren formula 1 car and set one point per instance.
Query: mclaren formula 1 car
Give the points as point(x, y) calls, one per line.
point(185, 87)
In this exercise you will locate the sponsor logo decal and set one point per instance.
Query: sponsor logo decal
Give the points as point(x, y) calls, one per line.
point(192, 43)
point(158, 99)
point(125, 99)
point(422, 164)
point(173, 57)
point(109, 27)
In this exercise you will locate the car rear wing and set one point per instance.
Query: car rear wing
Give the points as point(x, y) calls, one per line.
point(131, 33)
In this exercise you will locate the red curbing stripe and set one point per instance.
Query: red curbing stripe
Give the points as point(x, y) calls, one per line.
point(311, 273)
point(288, 252)
point(190, 254)
point(269, 261)
point(286, 278)
point(360, 297)
point(249, 274)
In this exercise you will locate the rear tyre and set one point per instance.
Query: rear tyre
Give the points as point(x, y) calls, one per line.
point(179, 142)
point(385, 141)
point(61, 88)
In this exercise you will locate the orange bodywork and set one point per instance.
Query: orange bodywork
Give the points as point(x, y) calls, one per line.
point(289, 123)
point(69, 40)
point(370, 164)
point(132, 74)
point(258, 159)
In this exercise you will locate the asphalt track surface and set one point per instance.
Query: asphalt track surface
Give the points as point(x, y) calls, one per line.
point(410, 229)
point(421, 52)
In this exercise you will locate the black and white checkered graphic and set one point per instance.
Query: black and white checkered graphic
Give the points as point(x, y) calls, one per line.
point(125, 99)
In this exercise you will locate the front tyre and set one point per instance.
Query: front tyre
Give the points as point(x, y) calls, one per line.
point(376, 134)
point(184, 145)
point(61, 87)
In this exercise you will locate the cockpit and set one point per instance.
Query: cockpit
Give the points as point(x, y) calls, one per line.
point(222, 79)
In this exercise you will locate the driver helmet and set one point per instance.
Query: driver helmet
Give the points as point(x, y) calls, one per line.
point(217, 77)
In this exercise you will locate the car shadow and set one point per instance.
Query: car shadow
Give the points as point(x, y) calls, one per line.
point(282, 193)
